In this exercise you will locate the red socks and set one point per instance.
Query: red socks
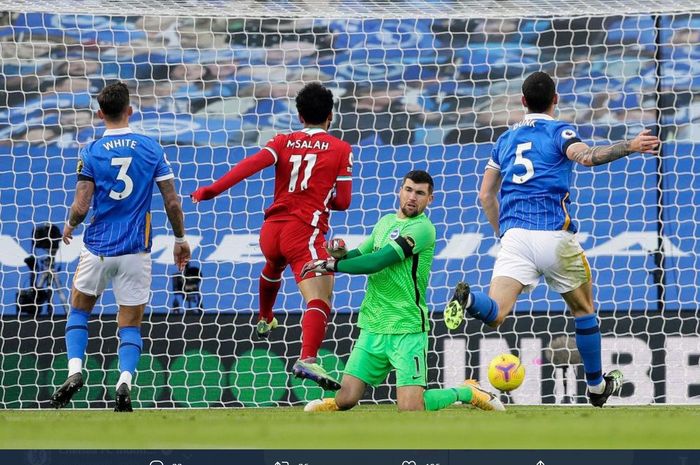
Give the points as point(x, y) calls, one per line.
point(268, 290)
point(313, 327)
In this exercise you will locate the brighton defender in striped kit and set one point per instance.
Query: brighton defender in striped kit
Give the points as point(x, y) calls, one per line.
point(531, 168)
point(313, 175)
point(116, 174)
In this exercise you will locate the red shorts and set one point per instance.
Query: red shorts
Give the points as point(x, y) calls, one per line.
point(291, 243)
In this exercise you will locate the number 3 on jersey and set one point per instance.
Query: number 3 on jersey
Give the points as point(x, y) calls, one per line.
point(524, 162)
point(123, 164)
point(310, 159)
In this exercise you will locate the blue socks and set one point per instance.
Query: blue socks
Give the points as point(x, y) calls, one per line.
point(130, 345)
point(76, 338)
point(483, 307)
point(588, 343)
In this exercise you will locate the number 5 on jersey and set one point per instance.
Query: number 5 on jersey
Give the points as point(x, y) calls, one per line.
point(524, 162)
point(310, 159)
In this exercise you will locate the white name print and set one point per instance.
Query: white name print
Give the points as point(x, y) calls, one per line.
point(307, 144)
point(116, 143)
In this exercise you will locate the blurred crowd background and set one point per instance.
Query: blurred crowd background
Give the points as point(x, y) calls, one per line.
point(229, 81)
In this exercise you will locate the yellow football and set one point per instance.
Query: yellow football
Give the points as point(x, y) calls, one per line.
point(506, 372)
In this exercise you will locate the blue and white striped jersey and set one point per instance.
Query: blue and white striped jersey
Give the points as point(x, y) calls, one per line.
point(535, 173)
point(123, 166)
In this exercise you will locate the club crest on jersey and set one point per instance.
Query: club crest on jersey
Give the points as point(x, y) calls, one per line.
point(394, 234)
point(307, 144)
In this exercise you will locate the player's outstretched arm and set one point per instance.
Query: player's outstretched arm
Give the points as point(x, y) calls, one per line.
point(337, 248)
point(362, 264)
point(245, 168)
point(181, 250)
point(79, 209)
point(645, 142)
point(488, 197)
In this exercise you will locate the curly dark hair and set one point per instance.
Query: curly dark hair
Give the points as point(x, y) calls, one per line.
point(314, 103)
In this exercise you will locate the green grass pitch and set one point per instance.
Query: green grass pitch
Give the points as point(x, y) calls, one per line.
point(366, 427)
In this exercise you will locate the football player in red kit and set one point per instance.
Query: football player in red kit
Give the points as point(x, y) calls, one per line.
point(312, 176)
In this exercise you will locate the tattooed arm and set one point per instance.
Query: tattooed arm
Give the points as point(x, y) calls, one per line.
point(171, 201)
point(600, 155)
point(79, 210)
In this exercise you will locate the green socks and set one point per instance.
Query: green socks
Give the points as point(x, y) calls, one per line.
point(436, 399)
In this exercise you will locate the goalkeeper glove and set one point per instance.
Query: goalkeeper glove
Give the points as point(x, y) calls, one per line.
point(318, 266)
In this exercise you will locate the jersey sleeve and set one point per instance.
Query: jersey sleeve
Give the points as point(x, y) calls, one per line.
point(494, 163)
point(345, 168)
point(163, 169)
point(414, 239)
point(343, 181)
point(84, 169)
point(275, 146)
point(566, 135)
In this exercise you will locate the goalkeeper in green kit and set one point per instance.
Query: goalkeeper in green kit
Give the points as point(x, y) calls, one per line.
point(393, 317)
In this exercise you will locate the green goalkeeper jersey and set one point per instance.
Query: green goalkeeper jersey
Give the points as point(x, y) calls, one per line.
point(394, 302)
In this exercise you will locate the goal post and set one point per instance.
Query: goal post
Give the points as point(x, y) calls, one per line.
point(418, 85)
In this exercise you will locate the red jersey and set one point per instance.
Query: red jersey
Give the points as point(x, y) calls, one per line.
point(308, 165)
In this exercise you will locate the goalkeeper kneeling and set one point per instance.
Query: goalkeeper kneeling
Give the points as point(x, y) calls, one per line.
point(393, 317)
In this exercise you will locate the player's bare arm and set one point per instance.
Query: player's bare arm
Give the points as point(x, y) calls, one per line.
point(488, 196)
point(171, 200)
point(79, 210)
point(581, 153)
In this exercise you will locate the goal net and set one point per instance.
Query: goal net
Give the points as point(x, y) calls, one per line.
point(419, 85)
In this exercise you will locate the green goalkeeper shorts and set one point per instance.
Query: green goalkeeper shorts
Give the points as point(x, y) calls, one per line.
point(375, 355)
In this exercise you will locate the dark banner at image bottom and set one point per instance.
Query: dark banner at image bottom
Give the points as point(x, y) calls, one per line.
point(349, 457)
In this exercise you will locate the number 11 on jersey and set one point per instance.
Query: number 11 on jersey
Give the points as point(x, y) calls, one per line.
point(310, 159)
